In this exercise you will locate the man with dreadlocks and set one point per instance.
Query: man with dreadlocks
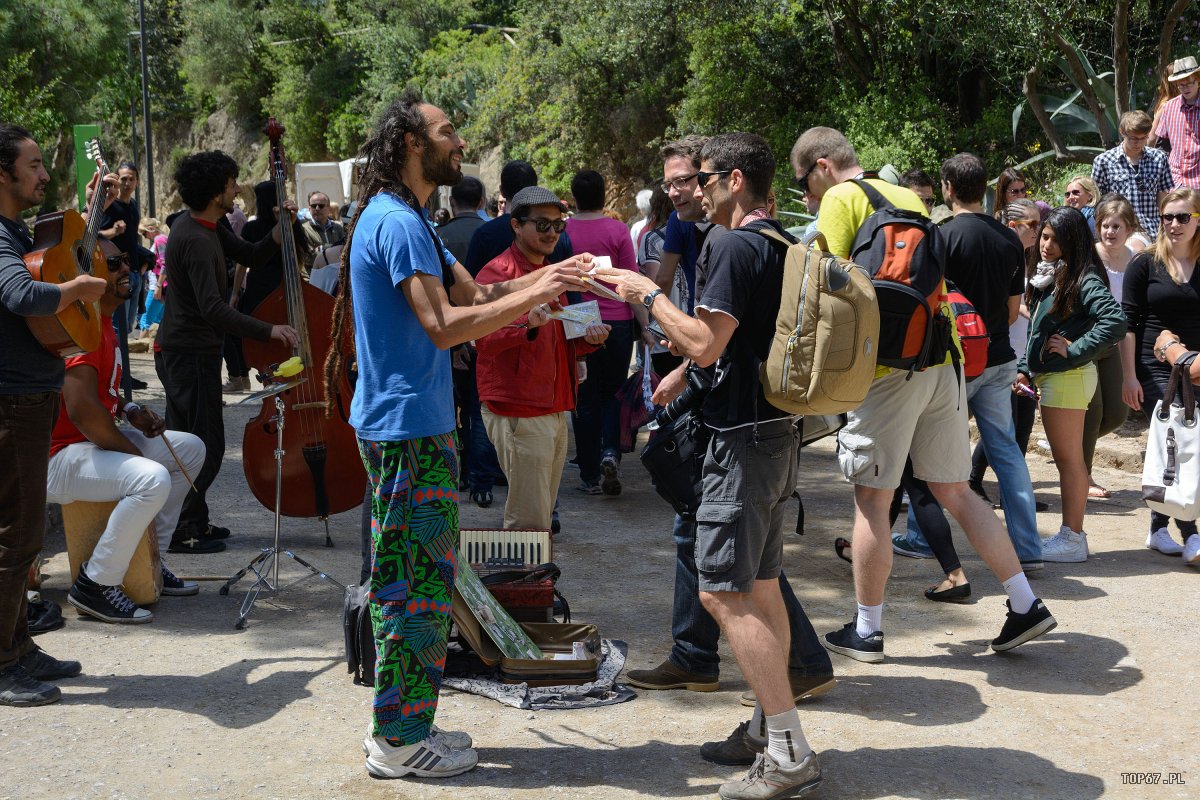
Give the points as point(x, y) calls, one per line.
point(395, 312)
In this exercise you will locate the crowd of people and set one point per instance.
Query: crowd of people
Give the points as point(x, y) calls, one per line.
point(467, 370)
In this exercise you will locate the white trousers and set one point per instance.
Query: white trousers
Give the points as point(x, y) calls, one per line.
point(145, 488)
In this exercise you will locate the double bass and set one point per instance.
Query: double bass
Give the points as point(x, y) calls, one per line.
point(322, 470)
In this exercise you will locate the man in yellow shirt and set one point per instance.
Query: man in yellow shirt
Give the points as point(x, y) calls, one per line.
point(920, 415)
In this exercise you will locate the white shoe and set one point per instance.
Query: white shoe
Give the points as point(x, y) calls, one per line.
point(1065, 547)
point(1161, 541)
point(455, 740)
point(427, 759)
point(1191, 550)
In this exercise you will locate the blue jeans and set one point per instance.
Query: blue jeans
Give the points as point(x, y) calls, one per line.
point(696, 633)
point(989, 400)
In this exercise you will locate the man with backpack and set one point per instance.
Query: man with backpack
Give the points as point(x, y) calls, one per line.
point(917, 411)
point(985, 261)
point(750, 467)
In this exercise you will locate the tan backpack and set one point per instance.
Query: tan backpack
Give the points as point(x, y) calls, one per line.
point(822, 359)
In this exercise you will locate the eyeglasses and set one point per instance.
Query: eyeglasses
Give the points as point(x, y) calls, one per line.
point(679, 184)
point(546, 225)
point(702, 178)
point(1013, 191)
point(802, 181)
point(1022, 223)
point(1178, 219)
point(317, 205)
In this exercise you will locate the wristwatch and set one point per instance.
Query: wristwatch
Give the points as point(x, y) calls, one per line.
point(648, 300)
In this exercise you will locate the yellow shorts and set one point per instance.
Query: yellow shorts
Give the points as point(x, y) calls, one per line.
point(1071, 389)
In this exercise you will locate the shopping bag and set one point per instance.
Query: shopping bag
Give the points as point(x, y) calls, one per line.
point(1171, 470)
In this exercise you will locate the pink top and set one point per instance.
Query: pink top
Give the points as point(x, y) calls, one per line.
point(605, 237)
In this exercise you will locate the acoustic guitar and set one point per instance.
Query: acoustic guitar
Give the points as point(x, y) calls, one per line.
point(64, 246)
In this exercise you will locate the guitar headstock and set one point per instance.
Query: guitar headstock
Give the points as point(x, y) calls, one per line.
point(95, 152)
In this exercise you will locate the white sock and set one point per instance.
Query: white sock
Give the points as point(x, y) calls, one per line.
point(1020, 596)
point(785, 740)
point(870, 620)
point(757, 727)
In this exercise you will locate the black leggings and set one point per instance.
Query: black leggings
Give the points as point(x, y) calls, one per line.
point(930, 517)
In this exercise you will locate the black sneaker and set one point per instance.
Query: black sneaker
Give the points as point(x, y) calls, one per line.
point(44, 667)
point(610, 474)
point(42, 615)
point(1020, 628)
point(174, 587)
point(195, 543)
point(136, 383)
point(108, 603)
point(19, 688)
point(848, 643)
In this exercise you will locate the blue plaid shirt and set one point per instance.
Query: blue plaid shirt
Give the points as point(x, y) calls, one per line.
point(1140, 184)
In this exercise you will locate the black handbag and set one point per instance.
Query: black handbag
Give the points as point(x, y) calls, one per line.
point(673, 457)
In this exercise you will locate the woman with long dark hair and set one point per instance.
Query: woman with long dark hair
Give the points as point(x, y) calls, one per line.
point(1010, 187)
point(1162, 292)
point(1073, 318)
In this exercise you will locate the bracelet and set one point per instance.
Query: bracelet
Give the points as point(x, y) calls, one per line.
point(1162, 351)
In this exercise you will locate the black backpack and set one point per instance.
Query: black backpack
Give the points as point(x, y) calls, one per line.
point(903, 253)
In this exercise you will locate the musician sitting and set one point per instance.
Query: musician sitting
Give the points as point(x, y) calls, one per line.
point(92, 459)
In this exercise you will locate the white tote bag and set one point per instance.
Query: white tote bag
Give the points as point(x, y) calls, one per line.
point(1171, 471)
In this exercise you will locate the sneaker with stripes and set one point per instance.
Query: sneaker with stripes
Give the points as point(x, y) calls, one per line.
point(428, 759)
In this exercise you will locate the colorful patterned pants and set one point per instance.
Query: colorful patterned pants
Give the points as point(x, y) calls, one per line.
point(414, 532)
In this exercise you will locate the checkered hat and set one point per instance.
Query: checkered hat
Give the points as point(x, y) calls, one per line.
point(531, 196)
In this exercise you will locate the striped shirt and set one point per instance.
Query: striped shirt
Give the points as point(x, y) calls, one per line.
point(1138, 183)
point(1179, 123)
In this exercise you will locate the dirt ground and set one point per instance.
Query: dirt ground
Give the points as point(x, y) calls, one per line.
point(189, 707)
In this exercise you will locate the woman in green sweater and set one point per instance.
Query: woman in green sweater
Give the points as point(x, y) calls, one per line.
point(1073, 318)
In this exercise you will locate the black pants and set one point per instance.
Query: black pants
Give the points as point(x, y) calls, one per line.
point(598, 411)
point(192, 382)
point(26, 421)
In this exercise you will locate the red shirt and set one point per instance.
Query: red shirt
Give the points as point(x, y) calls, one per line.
point(106, 360)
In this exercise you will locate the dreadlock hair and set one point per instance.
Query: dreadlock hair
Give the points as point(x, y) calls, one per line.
point(384, 155)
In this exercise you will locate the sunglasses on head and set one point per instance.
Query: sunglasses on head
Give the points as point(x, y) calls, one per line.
point(546, 225)
point(1179, 219)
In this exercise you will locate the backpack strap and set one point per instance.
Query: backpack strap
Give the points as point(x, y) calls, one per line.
point(877, 200)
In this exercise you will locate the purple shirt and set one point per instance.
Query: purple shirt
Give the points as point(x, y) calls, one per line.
point(605, 237)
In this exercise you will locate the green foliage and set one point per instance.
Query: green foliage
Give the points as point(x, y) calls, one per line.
point(31, 107)
point(897, 124)
point(221, 57)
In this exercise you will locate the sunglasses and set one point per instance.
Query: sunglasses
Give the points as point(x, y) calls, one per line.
point(1013, 191)
point(1178, 219)
point(546, 225)
point(317, 205)
point(115, 262)
point(928, 201)
point(703, 178)
point(802, 181)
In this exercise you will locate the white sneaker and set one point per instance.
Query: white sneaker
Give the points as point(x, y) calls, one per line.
point(1065, 547)
point(1161, 541)
point(455, 740)
point(1191, 550)
point(427, 759)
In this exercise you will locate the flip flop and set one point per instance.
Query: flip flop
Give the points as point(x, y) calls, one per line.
point(840, 546)
point(1098, 492)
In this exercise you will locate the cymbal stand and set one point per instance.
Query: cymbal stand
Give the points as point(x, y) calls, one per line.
point(265, 565)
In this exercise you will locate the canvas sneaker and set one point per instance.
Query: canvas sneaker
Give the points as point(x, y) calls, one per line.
point(767, 780)
point(19, 688)
point(108, 603)
point(1020, 628)
point(848, 643)
point(1161, 541)
point(1191, 550)
point(1065, 547)
point(902, 545)
point(427, 759)
point(176, 587)
point(738, 749)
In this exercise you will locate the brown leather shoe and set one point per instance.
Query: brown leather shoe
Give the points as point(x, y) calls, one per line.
point(803, 688)
point(668, 676)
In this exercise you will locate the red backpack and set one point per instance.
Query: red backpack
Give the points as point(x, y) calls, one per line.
point(972, 332)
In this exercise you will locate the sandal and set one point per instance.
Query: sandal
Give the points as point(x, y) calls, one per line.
point(1098, 492)
point(481, 497)
point(840, 546)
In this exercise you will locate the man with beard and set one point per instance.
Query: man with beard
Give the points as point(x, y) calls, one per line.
point(395, 312)
point(196, 318)
point(30, 377)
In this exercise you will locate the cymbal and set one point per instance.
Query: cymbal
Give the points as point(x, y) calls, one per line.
point(270, 390)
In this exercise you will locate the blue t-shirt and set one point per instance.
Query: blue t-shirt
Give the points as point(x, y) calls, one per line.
point(404, 388)
point(680, 238)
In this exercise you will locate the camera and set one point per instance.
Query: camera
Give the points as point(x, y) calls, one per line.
point(699, 382)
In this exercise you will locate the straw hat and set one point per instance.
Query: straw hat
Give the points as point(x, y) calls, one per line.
point(1182, 68)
